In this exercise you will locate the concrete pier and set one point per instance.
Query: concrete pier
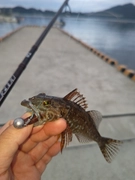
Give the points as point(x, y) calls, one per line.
point(60, 65)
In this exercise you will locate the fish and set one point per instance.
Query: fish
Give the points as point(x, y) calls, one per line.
point(83, 124)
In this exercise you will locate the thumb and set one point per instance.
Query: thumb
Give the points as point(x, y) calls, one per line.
point(10, 140)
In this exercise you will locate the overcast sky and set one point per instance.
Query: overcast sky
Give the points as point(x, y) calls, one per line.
point(76, 5)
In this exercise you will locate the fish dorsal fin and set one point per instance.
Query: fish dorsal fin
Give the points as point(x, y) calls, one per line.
point(70, 95)
point(77, 98)
point(96, 116)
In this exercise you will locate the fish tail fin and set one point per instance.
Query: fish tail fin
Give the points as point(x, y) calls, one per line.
point(109, 148)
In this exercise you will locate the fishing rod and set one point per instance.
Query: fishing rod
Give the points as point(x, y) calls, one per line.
point(7, 88)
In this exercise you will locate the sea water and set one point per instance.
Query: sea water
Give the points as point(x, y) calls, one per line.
point(113, 37)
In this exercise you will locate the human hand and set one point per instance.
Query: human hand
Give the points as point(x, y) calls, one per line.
point(25, 153)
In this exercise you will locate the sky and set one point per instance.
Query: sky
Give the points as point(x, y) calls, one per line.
point(75, 5)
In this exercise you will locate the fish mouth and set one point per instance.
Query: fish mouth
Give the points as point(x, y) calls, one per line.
point(30, 120)
point(35, 116)
point(26, 103)
point(29, 105)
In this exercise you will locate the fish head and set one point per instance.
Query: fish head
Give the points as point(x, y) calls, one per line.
point(41, 101)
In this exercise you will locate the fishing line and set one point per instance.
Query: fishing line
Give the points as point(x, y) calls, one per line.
point(118, 115)
point(91, 144)
point(109, 116)
point(13, 78)
point(69, 16)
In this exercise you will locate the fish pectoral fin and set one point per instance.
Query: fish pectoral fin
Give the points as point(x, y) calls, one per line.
point(83, 139)
point(66, 137)
point(77, 98)
point(96, 116)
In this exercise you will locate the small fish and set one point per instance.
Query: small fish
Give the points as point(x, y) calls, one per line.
point(84, 124)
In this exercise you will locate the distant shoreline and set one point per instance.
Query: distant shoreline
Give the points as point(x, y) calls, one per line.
point(119, 20)
point(126, 11)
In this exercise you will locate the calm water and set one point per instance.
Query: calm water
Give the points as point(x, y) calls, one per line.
point(113, 37)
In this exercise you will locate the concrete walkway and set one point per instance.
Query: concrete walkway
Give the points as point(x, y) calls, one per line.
point(87, 163)
point(60, 65)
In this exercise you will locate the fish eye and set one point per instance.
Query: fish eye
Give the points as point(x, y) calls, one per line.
point(45, 102)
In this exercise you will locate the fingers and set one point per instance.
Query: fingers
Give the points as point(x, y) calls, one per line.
point(9, 123)
point(42, 148)
point(28, 139)
point(49, 129)
point(10, 139)
point(53, 151)
point(43, 133)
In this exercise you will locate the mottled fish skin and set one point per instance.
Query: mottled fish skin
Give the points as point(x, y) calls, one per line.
point(84, 124)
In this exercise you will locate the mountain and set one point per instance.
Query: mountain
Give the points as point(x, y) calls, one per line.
point(21, 10)
point(126, 11)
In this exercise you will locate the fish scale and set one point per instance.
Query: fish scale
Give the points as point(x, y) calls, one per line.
point(84, 124)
